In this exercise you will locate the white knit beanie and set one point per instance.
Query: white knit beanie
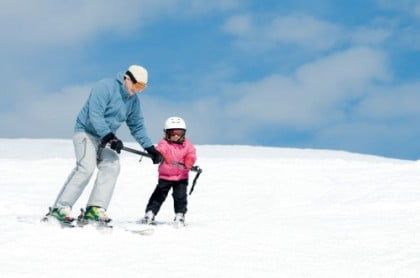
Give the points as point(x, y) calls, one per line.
point(138, 73)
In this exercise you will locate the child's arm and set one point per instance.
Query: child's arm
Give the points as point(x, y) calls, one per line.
point(189, 162)
point(161, 147)
point(190, 158)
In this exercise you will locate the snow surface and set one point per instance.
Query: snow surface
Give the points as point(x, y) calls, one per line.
point(255, 212)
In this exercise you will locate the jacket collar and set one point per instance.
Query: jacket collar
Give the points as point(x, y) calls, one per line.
point(124, 92)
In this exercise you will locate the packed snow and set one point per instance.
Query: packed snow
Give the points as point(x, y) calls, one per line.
point(255, 212)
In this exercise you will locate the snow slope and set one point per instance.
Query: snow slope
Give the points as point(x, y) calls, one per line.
point(256, 212)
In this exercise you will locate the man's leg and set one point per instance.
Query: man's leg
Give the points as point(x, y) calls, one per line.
point(108, 171)
point(85, 147)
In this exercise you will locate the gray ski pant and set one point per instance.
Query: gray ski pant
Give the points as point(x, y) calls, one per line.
point(87, 160)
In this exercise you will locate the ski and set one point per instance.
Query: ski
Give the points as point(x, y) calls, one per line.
point(132, 227)
point(154, 223)
point(179, 225)
point(143, 232)
point(102, 227)
point(63, 224)
point(97, 224)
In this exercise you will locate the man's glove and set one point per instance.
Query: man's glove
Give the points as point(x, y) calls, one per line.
point(116, 144)
point(156, 156)
point(107, 138)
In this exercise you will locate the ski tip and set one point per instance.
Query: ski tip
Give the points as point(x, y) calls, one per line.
point(53, 221)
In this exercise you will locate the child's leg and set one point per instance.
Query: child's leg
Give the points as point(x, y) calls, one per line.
point(158, 196)
point(180, 196)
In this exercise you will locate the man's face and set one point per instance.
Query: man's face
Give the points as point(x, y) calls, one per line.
point(134, 88)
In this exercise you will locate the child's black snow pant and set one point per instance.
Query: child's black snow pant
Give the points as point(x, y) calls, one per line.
point(179, 193)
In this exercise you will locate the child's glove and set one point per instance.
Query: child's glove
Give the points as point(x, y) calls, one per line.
point(196, 169)
point(155, 154)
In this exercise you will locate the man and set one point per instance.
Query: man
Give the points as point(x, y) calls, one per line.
point(111, 102)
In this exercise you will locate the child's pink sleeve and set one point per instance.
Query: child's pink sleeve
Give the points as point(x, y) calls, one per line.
point(162, 148)
point(190, 158)
point(189, 162)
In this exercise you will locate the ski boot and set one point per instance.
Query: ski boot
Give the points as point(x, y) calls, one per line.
point(61, 215)
point(93, 215)
point(179, 220)
point(148, 218)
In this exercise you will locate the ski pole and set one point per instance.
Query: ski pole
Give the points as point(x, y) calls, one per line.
point(199, 171)
point(195, 168)
point(130, 150)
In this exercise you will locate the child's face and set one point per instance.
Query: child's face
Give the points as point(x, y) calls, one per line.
point(175, 134)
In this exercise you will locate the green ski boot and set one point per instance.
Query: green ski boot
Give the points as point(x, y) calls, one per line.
point(97, 214)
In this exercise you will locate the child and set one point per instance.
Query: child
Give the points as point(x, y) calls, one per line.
point(179, 156)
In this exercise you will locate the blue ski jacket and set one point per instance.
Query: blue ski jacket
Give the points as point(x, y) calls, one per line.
point(108, 106)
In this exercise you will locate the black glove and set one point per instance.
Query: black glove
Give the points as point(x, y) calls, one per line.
point(116, 144)
point(107, 138)
point(156, 156)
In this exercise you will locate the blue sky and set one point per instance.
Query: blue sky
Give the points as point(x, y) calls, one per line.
point(307, 74)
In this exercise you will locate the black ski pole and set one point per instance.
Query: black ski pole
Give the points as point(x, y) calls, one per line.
point(199, 171)
point(195, 168)
point(130, 150)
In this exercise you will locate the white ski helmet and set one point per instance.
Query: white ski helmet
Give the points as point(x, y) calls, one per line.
point(175, 123)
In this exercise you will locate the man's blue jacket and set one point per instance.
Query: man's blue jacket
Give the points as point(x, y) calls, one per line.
point(108, 106)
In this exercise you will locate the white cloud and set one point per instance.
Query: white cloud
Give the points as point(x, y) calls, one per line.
point(49, 22)
point(43, 114)
point(411, 7)
point(365, 35)
point(205, 123)
point(70, 22)
point(407, 38)
point(304, 30)
point(398, 102)
point(295, 29)
point(199, 7)
point(240, 25)
point(315, 95)
point(331, 95)
point(256, 31)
